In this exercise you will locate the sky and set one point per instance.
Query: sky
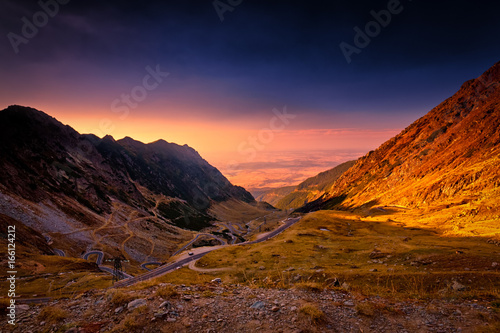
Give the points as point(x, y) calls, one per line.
point(269, 92)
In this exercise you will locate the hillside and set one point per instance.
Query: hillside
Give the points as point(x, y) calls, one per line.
point(307, 191)
point(445, 159)
point(122, 197)
point(274, 195)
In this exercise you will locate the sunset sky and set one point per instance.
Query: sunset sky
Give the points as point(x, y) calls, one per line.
point(232, 69)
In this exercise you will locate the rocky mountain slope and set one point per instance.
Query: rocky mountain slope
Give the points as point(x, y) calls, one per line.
point(274, 195)
point(447, 158)
point(119, 196)
point(213, 307)
point(307, 191)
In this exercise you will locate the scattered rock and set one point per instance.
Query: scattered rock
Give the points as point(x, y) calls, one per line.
point(495, 264)
point(119, 309)
point(373, 270)
point(346, 286)
point(258, 305)
point(166, 305)
point(23, 307)
point(217, 280)
point(458, 286)
point(275, 309)
point(136, 303)
point(262, 268)
point(349, 303)
point(160, 314)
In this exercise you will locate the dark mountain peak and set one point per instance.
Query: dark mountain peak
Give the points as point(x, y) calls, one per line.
point(108, 138)
point(130, 142)
point(47, 159)
point(160, 142)
point(27, 114)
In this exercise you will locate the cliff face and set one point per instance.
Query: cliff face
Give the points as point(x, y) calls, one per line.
point(449, 156)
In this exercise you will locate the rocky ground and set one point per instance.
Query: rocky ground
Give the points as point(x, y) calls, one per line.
point(216, 307)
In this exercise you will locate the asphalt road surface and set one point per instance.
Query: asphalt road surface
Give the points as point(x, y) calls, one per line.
point(144, 266)
point(100, 256)
point(60, 253)
point(170, 267)
point(194, 240)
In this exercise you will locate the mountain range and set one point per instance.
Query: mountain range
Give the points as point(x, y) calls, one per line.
point(307, 191)
point(84, 192)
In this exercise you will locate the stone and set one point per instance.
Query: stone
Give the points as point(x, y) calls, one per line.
point(119, 309)
point(72, 330)
point(171, 320)
point(160, 314)
point(258, 305)
point(458, 286)
point(349, 303)
point(23, 307)
point(345, 286)
point(275, 309)
point(217, 280)
point(136, 303)
point(166, 305)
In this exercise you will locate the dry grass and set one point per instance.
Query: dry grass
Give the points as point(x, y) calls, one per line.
point(53, 314)
point(119, 297)
point(167, 292)
point(312, 313)
point(133, 322)
point(309, 286)
point(387, 254)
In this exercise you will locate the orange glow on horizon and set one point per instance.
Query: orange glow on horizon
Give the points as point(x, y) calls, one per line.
point(227, 143)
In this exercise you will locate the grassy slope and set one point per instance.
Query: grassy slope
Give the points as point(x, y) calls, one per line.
point(411, 260)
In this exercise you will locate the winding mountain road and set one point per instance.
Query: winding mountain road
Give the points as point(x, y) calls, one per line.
point(60, 253)
point(183, 261)
point(223, 242)
point(100, 258)
point(143, 266)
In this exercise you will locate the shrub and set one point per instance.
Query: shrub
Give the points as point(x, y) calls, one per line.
point(167, 292)
point(312, 312)
point(53, 314)
point(118, 297)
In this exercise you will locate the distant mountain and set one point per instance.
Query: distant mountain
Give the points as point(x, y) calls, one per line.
point(451, 156)
point(56, 180)
point(310, 189)
point(274, 195)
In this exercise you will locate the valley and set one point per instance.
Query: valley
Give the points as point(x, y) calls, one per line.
point(404, 239)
